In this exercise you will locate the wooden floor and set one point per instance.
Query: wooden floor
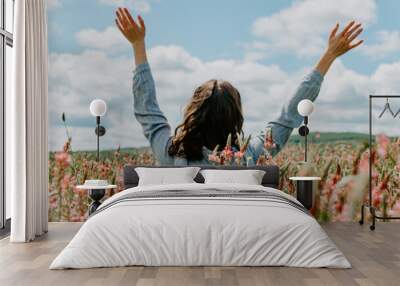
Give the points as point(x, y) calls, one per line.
point(375, 257)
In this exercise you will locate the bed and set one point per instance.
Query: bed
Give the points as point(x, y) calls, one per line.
point(199, 224)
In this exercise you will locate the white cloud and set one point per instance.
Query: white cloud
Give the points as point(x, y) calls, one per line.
point(388, 43)
point(386, 78)
point(76, 79)
point(303, 27)
point(52, 4)
point(140, 6)
point(343, 101)
point(109, 40)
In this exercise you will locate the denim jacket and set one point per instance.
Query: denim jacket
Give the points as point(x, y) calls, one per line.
point(157, 130)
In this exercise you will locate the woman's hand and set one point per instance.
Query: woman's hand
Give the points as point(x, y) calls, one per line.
point(343, 42)
point(133, 32)
point(339, 44)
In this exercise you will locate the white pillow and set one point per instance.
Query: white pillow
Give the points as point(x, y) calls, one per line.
point(248, 177)
point(166, 176)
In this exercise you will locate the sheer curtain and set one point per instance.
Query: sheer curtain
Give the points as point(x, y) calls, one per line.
point(27, 123)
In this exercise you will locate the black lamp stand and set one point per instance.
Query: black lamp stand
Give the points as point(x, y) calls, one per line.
point(100, 131)
point(303, 131)
point(97, 194)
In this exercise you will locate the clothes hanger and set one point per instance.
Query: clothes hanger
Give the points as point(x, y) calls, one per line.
point(397, 113)
point(387, 107)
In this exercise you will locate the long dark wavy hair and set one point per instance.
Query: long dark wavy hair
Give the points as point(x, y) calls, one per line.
point(214, 112)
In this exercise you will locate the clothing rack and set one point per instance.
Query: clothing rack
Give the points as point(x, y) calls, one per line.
point(369, 205)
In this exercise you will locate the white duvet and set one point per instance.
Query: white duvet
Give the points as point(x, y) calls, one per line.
point(200, 231)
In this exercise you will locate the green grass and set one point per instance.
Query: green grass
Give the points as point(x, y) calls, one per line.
point(324, 138)
point(329, 137)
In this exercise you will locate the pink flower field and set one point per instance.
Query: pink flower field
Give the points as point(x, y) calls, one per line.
point(343, 167)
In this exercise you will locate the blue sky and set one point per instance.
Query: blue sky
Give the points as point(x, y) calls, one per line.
point(216, 34)
point(200, 26)
point(208, 29)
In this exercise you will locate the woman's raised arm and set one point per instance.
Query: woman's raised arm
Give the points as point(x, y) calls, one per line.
point(133, 32)
point(147, 111)
point(289, 118)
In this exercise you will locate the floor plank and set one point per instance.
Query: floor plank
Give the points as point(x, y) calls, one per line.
point(375, 257)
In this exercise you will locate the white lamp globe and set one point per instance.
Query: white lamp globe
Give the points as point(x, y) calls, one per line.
point(305, 107)
point(98, 107)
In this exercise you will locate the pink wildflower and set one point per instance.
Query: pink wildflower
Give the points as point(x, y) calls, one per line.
point(227, 153)
point(63, 159)
point(239, 154)
point(213, 158)
point(363, 166)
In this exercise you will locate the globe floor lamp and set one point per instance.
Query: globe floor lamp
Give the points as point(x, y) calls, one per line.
point(98, 108)
point(305, 192)
point(305, 108)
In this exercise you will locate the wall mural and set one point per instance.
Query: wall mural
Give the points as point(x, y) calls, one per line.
point(264, 50)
